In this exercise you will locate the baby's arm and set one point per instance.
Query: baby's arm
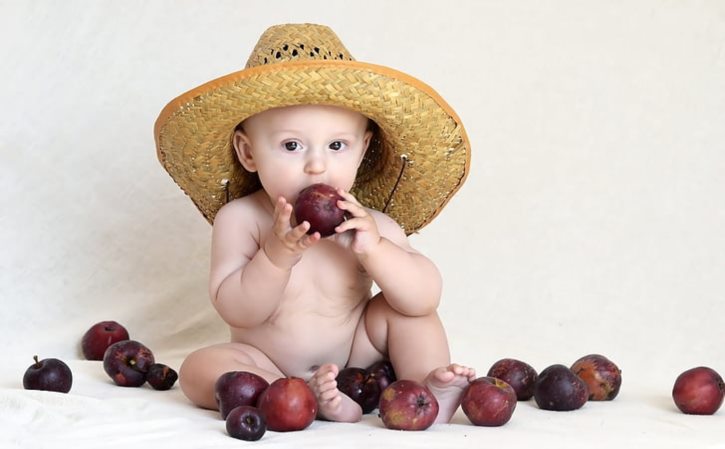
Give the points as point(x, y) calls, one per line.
point(410, 281)
point(246, 282)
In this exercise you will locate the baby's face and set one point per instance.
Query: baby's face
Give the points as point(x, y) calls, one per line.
point(293, 147)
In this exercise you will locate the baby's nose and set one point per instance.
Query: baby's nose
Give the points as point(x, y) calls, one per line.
point(315, 164)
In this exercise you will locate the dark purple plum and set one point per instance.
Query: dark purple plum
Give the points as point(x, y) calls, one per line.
point(602, 376)
point(48, 375)
point(127, 362)
point(161, 377)
point(699, 391)
point(317, 204)
point(246, 423)
point(520, 375)
point(559, 389)
point(235, 388)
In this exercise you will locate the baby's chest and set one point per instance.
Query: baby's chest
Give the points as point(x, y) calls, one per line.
point(331, 271)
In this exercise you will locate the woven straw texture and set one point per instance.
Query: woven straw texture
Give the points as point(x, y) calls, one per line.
point(417, 161)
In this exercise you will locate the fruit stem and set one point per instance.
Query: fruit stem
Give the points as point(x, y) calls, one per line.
point(37, 362)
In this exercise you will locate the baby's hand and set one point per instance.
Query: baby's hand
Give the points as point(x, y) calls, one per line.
point(366, 236)
point(285, 247)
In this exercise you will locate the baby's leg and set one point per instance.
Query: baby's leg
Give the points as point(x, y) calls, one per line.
point(333, 404)
point(201, 369)
point(418, 349)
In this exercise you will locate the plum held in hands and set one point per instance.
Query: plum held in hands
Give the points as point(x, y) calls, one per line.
point(235, 388)
point(99, 337)
point(161, 377)
point(602, 376)
point(489, 401)
point(48, 375)
point(408, 405)
point(317, 204)
point(288, 404)
point(559, 389)
point(127, 362)
point(699, 391)
point(246, 423)
point(520, 375)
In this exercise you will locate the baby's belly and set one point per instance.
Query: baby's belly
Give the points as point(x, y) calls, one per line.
point(299, 343)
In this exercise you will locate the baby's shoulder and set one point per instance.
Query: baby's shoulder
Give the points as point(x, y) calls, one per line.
point(386, 225)
point(247, 209)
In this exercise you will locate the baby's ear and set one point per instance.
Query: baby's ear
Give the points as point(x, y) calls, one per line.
point(243, 148)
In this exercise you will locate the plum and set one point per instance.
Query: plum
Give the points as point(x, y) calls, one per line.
point(127, 362)
point(699, 391)
point(246, 423)
point(288, 404)
point(48, 375)
point(602, 376)
point(559, 389)
point(408, 405)
point(235, 388)
point(520, 375)
point(161, 377)
point(317, 204)
point(489, 401)
point(99, 337)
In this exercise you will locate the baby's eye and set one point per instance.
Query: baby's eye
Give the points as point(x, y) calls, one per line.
point(337, 145)
point(291, 146)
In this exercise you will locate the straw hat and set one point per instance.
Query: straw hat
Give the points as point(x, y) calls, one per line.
point(417, 160)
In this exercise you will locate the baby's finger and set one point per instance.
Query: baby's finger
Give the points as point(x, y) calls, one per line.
point(355, 209)
point(361, 224)
point(348, 197)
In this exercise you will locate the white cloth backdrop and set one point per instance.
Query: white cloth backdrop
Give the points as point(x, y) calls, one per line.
point(593, 219)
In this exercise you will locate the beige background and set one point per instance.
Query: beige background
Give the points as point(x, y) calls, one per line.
point(593, 218)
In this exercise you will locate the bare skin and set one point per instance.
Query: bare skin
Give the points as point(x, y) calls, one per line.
point(298, 305)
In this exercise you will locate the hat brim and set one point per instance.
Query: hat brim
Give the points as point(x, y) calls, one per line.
point(425, 150)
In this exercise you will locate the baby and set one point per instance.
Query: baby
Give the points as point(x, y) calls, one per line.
point(301, 305)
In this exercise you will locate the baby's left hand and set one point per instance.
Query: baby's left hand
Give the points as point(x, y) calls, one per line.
point(366, 236)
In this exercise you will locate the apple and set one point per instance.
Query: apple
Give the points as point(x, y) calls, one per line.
point(489, 401)
point(48, 375)
point(520, 375)
point(317, 204)
point(602, 376)
point(559, 389)
point(99, 337)
point(408, 405)
point(699, 391)
point(127, 362)
point(161, 377)
point(235, 388)
point(246, 423)
point(288, 404)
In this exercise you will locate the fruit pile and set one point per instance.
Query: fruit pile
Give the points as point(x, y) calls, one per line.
point(127, 362)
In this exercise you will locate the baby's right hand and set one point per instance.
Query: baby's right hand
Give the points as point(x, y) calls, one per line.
point(285, 246)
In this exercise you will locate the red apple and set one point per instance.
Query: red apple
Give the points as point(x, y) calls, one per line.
point(408, 405)
point(489, 401)
point(699, 391)
point(602, 376)
point(236, 388)
point(127, 362)
point(520, 375)
point(99, 337)
point(246, 423)
point(48, 375)
point(317, 204)
point(288, 404)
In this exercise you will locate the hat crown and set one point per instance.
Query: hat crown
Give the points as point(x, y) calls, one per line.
point(290, 42)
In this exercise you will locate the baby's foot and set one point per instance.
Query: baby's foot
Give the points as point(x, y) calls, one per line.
point(447, 385)
point(332, 404)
